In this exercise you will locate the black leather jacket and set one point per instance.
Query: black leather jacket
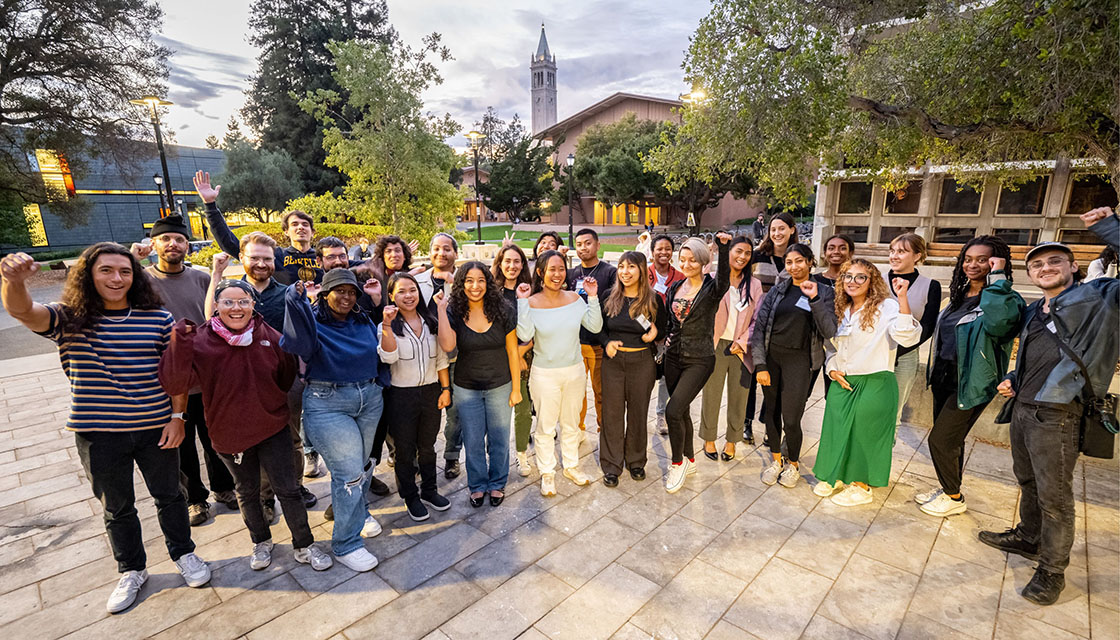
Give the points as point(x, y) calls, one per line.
point(823, 308)
point(693, 337)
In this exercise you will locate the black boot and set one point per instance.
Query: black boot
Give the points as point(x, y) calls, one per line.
point(748, 433)
point(377, 487)
point(1010, 542)
point(1045, 587)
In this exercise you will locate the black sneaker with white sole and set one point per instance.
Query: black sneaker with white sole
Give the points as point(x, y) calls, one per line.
point(416, 509)
point(435, 500)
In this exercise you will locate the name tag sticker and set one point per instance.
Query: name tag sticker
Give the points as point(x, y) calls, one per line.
point(1051, 327)
point(844, 330)
point(743, 304)
point(803, 303)
point(579, 287)
point(660, 287)
point(642, 320)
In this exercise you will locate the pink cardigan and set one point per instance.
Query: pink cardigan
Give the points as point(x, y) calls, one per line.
point(744, 323)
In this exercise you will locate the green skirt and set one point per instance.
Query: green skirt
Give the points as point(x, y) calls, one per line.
point(857, 435)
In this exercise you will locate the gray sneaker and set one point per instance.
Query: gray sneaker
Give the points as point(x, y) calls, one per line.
point(314, 556)
point(194, 570)
point(261, 556)
point(770, 474)
point(789, 476)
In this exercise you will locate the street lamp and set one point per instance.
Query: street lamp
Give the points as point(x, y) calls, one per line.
point(694, 96)
point(476, 139)
point(570, 162)
point(153, 103)
point(164, 208)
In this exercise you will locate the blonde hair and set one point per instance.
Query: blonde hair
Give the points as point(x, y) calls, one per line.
point(257, 237)
point(644, 304)
point(877, 292)
point(913, 242)
point(699, 250)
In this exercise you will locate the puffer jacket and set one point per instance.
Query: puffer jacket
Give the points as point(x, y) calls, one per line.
point(823, 309)
point(693, 337)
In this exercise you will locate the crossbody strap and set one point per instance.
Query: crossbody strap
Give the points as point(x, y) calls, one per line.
point(1066, 349)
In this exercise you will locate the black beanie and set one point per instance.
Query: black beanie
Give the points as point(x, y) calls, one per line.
point(171, 224)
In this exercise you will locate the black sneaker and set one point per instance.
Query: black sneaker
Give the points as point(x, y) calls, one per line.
point(329, 513)
point(269, 509)
point(638, 473)
point(610, 479)
point(435, 500)
point(748, 434)
point(416, 509)
point(451, 470)
point(377, 487)
point(228, 498)
point(309, 499)
point(1045, 587)
point(1010, 542)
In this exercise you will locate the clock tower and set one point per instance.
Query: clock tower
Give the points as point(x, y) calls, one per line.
point(543, 72)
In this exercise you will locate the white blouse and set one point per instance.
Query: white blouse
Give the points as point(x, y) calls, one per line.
point(856, 351)
point(416, 361)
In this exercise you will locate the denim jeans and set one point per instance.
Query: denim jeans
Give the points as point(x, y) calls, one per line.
point(1043, 456)
point(340, 420)
point(484, 422)
point(108, 459)
point(905, 371)
point(452, 436)
point(662, 396)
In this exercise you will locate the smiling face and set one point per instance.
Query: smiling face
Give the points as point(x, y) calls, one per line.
point(857, 281)
point(259, 261)
point(299, 230)
point(547, 243)
point(393, 256)
point(629, 273)
point(740, 256)
point(663, 253)
point(342, 299)
point(405, 295)
point(587, 247)
point(780, 232)
point(443, 253)
point(334, 258)
point(235, 308)
point(975, 264)
point(1051, 271)
point(555, 274)
point(903, 258)
point(511, 266)
point(170, 247)
point(836, 252)
point(798, 266)
point(690, 266)
point(112, 278)
point(474, 285)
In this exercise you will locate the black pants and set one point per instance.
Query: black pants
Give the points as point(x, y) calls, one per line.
point(273, 455)
point(1044, 451)
point(951, 425)
point(813, 382)
point(412, 414)
point(267, 493)
point(784, 399)
point(747, 379)
point(685, 377)
point(628, 380)
point(216, 472)
point(108, 460)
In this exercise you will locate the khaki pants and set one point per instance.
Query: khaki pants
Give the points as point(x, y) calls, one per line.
point(593, 365)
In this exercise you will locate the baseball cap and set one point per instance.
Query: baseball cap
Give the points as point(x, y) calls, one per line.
point(1044, 246)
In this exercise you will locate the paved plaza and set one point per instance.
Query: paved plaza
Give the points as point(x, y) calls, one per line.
point(726, 557)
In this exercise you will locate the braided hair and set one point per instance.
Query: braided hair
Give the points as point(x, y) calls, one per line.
point(958, 287)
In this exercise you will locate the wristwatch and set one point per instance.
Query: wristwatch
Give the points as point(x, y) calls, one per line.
point(180, 415)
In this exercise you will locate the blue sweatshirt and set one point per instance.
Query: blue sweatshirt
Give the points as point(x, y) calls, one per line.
point(334, 351)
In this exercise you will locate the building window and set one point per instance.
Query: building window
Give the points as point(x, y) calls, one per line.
point(55, 170)
point(1025, 201)
point(35, 229)
point(886, 234)
point(1089, 192)
point(954, 235)
point(965, 202)
point(1079, 236)
point(1026, 237)
point(857, 234)
point(855, 198)
point(905, 201)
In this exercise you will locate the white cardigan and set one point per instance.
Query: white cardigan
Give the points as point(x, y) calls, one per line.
point(855, 351)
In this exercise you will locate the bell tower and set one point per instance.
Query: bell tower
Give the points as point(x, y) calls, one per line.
point(543, 72)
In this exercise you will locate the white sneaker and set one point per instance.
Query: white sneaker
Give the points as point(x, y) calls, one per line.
point(312, 465)
point(194, 570)
point(582, 436)
point(314, 556)
point(770, 474)
point(261, 556)
point(943, 506)
point(576, 476)
point(523, 467)
point(853, 496)
point(371, 528)
point(358, 560)
point(127, 588)
point(690, 467)
point(824, 489)
point(928, 496)
point(789, 476)
point(548, 484)
point(675, 480)
point(662, 426)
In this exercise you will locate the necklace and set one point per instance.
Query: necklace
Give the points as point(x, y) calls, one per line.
point(108, 319)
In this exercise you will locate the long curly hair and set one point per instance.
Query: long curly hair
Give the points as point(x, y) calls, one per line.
point(84, 305)
point(524, 276)
point(877, 292)
point(379, 252)
point(958, 286)
point(541, 265)
point(494, 305)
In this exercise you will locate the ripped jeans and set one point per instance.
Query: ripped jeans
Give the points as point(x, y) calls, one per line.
point(340, 421)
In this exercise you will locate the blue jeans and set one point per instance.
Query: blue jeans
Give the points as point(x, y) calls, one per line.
point(484, 423)
point(340, 421)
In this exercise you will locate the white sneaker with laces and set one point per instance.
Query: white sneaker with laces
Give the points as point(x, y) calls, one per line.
point(194, 570)
point(523, 467)
point(770, 474)
point(789, 476)
point(358, 560)
point(675, 480)
point(928, 496)
point(576, 476)
point(371, 528)
point(261, 556)
point(127, 588)
point(691, 467)
point(824, 489)
point(548, 484)
point(943, 506)
point(314, 556)
point(853, 496)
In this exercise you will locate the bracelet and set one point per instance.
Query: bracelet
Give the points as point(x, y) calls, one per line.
point(445, 388)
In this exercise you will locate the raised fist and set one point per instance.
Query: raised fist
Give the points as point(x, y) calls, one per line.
point(18, 267)
point(219, 263)
point(388, 314)
point(441, 301)
point(372, 288)
point(901, 286)
point(997, 264)
point(524, 290)
point(809, 288)
point(1005, 390)
point(723, 237)
point(140, 250)
point(591, 287)
point(1093, 216)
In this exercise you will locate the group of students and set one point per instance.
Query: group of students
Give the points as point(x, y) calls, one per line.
point(313, 356)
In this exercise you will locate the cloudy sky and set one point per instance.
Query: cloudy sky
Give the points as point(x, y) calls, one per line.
point(601, 46)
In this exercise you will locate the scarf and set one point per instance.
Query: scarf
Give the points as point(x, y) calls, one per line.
point(243, 339)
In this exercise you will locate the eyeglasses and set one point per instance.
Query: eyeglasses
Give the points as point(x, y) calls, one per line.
point(858, 278)
point(243, 303)
point(1053, 261)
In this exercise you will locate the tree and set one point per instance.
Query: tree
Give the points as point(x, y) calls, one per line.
point(797, 84)
point(522, 177)
point(233, 133)
point(67, 71)
point(391, 151)
point(609, 161)
point(212, 142)
point(258, 180)
point(501, 136)
point(293, 37)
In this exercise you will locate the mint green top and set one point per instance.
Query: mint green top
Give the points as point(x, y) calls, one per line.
point(555, 332)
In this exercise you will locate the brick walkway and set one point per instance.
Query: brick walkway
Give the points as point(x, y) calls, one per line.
point(727, 557)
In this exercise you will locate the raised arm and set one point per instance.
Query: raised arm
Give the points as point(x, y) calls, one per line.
point(723, 269)
point(176, 365)
point(446, 336)
point(301, 336)
point(16, 269)
point(218, 266)
point(214, 218)
point(526, 331)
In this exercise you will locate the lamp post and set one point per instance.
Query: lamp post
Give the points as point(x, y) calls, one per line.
point(476, 139)
point(693, 98)
point(164, 208)
point(153, 103)
point(570, 162)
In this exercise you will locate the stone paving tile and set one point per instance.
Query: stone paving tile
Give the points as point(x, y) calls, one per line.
point(498, 561)
point(651, 506)
point(746, 546)
point(779, 603)
point(822, 544)
point(959, 594)
point(870, 596)
point(509, 610)
point(918, 627)
point(1011, 626)
point(787, 507)
point(674, 544)
point(163, 602)
point(821, 628)
point(578, 512)
point(416, 565)
point(580, 558)
point(1071, 611)
point(611, 597)
point(1105, 622)
point(19, 603)
point(420, 611)
point(958, 537)
point(1104, 577)
point(726, 631)
point(239, 615)
point(881, 541)
point(325, 615)
point(691, 603)
point(720, 504)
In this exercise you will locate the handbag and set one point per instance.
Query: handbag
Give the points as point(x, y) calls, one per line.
point(1099, 424)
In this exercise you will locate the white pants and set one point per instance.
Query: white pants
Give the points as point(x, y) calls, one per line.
point(558, 397)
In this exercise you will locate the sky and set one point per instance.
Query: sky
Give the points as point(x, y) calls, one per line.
point(601, 47)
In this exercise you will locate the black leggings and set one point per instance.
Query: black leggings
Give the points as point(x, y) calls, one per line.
point(784, 399)
point(685, 376)
point(412, 414)
point(950, 426)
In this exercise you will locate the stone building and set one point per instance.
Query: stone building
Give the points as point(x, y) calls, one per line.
point(542, 69)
